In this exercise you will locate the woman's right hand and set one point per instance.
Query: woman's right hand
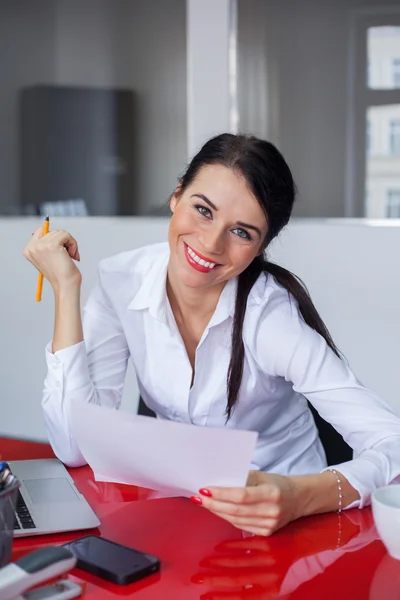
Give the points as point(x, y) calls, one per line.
point(53, 255)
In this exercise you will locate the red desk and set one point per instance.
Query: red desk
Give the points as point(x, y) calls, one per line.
point(326, 556)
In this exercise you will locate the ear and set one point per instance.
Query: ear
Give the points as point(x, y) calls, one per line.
point(173, 201)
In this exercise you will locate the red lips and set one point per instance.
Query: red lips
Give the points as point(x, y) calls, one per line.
point(194, 264)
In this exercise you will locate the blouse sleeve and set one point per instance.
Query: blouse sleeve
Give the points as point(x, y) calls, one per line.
point(287, 347)
point(91, 371)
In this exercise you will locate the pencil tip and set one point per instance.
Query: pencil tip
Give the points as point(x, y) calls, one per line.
point(47, 218)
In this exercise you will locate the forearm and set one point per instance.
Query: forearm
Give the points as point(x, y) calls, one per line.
point(319, 493)
point(68, 320)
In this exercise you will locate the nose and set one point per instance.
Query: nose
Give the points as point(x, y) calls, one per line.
point(212, 241)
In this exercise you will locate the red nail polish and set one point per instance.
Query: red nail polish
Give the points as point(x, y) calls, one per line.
point(205, 492)
point(196, 499)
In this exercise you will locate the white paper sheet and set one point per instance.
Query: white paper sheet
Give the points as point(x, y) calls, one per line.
point(160, 454)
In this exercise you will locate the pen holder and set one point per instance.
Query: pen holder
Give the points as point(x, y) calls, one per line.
point(8, 500)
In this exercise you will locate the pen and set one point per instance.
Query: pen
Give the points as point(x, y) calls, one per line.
point(40, 276)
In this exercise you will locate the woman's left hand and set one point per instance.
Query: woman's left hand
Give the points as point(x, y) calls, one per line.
point(267, 503)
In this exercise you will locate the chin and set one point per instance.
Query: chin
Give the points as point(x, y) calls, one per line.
point(194, 280)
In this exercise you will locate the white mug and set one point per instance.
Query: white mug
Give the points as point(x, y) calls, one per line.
point(386, 512)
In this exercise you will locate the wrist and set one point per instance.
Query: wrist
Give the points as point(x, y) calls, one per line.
point(320, 493)
point(314, 493)
point(68, 288)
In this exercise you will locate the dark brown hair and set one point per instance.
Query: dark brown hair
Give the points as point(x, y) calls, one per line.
point(271, 182)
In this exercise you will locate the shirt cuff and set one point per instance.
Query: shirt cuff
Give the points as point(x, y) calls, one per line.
point(365, 474)
point(68, 368)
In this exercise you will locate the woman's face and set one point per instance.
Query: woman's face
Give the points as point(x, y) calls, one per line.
point(216, 230)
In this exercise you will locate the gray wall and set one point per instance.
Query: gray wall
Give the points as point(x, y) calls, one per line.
point(122, 43)
point(27, 41)
point(293, 59)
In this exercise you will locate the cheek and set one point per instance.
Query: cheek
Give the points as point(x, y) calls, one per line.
point(242, 256)
point(183, 221)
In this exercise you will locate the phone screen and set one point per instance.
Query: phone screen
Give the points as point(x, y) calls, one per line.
point(112, 561)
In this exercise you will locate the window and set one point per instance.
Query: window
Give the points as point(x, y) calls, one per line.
point(383, 58)
point(395, 137)
point(393, 204)
point(396, 72)
point(373, 161)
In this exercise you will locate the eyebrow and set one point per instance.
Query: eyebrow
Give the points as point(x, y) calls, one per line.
point(240, 223)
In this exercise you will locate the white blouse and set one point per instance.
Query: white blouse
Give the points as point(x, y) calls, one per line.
point(128, 315)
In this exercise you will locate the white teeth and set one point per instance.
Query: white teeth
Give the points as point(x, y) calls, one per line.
point(200, 261)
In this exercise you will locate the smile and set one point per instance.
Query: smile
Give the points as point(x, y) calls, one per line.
point(199, 263)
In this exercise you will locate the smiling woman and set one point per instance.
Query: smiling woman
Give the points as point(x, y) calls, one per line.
point(220, 337)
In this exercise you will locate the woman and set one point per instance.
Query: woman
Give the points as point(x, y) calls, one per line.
point(219, 337)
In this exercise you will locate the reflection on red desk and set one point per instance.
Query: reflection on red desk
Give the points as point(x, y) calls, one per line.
point(202, 557)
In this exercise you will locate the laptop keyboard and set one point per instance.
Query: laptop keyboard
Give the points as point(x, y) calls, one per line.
point(23, 519)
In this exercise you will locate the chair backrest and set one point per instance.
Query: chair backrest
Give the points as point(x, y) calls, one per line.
point(336, 449)
point(144, 410)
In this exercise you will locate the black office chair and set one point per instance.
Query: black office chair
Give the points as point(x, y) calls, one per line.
point(336, 449)
point(144, 410)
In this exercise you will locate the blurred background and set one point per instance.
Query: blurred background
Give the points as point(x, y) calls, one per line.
point(104, 102)
point(95, 107)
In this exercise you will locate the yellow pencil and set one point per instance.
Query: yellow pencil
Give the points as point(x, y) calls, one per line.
point(40, 276)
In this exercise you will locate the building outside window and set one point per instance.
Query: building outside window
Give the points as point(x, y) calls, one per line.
point(396, 72)
point(395, 137)
point(393, 204)
point(378, 97)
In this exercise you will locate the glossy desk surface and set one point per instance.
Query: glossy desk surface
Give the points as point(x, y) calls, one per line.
point(322, 557)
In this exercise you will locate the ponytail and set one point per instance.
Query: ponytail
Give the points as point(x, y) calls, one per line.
point(296, 288)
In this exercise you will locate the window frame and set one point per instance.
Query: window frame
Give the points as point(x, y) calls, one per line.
point(359, 98)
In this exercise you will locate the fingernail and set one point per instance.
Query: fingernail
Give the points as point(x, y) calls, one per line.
point(205, 492)
point(196, 499)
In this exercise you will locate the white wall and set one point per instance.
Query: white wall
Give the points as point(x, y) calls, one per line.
point(351, 269)
point(293, 87)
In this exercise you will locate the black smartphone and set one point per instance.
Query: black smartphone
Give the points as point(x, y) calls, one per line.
point(112, 561)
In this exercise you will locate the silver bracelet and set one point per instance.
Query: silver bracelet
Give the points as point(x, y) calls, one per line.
point(340, 495)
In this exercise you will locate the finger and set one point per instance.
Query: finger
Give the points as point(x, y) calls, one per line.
point(65, 239)
point(245, 495)
point(259, 531)
point(260, 509)
point(266, 525)
point(38, 233)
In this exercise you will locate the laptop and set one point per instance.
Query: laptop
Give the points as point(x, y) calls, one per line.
point(48, 501)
